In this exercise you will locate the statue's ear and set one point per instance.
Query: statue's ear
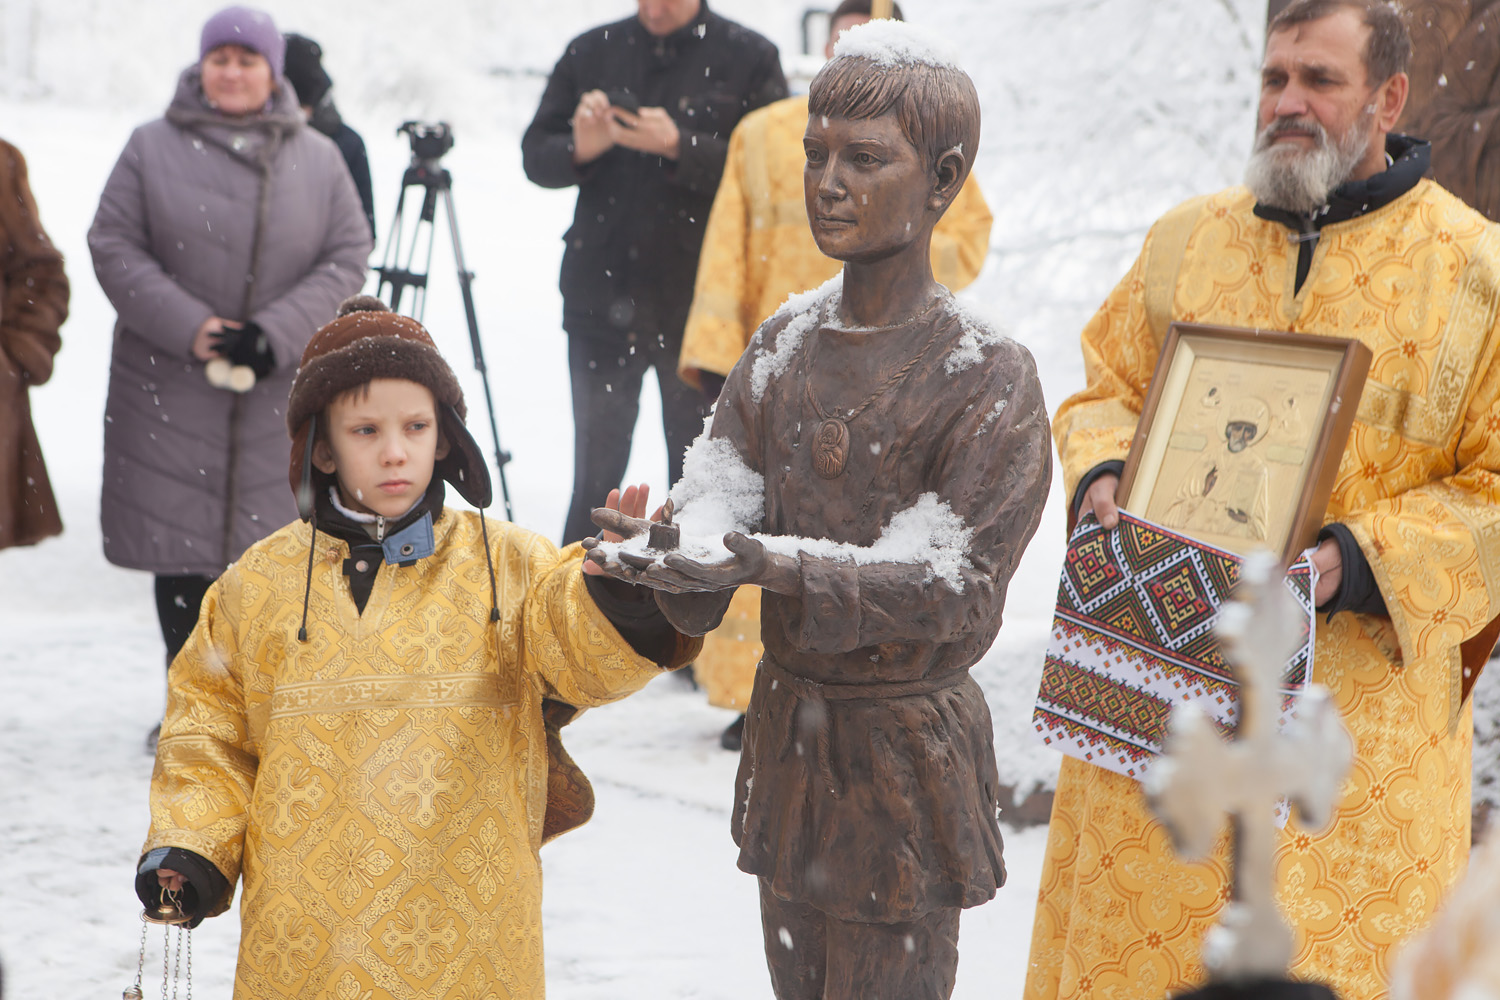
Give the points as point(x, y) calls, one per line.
point(948, 177)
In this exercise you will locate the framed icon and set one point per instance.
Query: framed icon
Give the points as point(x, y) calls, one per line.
point(1241, 435)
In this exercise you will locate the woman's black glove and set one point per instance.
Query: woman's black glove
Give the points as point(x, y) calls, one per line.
point(245, 345)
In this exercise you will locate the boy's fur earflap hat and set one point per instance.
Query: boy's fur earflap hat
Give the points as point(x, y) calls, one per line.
point(367, 341)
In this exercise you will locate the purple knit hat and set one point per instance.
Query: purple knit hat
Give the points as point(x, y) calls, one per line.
point(248, 28)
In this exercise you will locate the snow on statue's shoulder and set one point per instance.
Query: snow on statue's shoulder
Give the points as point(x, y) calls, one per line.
point(979, 332)
point(797, 317)
point(894, 44)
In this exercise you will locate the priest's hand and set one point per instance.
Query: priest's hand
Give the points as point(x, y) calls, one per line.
point(1330, 566)
point(1099, 499)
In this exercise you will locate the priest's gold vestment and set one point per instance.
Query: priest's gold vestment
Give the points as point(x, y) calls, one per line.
point(1418, 282)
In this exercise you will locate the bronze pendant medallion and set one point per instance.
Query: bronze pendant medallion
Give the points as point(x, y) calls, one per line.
point(831, 448)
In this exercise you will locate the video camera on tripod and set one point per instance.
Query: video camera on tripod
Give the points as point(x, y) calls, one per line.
point(429, 142)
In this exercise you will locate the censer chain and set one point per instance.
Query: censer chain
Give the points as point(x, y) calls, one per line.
point(173, 961)
point(134, 992)
point(177, 963)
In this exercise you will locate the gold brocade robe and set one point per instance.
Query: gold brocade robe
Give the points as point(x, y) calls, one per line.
point(757, 251)
point(1418, 282)
point(381, 787)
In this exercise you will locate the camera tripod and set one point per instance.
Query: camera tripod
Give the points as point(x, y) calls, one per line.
point(428, 144)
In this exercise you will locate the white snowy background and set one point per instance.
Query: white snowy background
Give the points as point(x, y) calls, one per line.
point(1099, 115)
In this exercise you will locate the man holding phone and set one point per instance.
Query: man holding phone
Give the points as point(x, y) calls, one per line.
point(638, 114)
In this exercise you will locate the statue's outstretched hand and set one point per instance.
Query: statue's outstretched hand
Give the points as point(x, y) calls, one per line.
point(751, 563)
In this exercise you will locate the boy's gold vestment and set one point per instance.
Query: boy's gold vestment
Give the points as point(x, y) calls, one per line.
point(381, 787)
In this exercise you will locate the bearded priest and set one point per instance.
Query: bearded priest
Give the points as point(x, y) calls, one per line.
point(1335, 233)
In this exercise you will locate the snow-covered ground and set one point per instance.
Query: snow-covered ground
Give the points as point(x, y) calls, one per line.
point(1099, 114)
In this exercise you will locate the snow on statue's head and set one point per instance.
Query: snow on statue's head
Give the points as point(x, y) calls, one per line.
point(884, 67)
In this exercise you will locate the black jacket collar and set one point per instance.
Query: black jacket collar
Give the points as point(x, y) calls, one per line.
point(1410, 160)
point(334, 522)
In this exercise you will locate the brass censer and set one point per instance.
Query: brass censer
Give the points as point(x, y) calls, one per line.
point(167, 914)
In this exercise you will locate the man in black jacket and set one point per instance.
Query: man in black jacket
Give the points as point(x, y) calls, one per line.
point(314, 87)
point(638, 115)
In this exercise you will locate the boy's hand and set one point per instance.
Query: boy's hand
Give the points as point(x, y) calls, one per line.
point(622, 516)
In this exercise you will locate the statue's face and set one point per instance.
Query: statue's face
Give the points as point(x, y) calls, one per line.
point(866, 187)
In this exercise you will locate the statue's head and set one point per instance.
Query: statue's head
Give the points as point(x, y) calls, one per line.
point(893, 127)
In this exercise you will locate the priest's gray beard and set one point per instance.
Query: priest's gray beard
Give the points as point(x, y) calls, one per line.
point(1298, 180)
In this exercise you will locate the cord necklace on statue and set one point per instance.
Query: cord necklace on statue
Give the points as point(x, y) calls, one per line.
point(831, 442)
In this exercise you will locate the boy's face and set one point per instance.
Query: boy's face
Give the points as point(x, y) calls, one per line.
point(867, 187)
point(381, 445)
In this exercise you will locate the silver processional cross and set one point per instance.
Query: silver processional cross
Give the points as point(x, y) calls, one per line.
point(1200, 778)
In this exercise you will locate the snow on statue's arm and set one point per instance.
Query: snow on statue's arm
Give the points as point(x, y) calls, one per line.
point(940, 568)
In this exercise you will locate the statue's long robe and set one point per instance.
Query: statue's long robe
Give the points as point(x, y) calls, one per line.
point(1118, 914)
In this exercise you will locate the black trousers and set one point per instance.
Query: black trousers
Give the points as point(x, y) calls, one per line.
point(606, 377)
point(813, 956)
point(178, 599)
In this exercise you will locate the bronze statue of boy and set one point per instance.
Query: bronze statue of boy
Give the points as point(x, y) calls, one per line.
point(890, 453)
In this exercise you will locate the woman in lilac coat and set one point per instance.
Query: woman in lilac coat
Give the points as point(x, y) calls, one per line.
point(227, 233)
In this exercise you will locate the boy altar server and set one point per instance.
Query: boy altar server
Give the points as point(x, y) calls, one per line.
point(355, 726)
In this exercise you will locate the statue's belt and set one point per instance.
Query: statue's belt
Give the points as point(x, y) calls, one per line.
point(820, 694)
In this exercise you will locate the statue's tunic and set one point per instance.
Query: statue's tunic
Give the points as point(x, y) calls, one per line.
point(1118, 915)
point(867, 785)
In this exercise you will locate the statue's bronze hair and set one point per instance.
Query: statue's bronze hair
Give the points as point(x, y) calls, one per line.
point(937, 107)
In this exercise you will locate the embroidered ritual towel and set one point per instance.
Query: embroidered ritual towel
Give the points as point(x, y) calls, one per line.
point(1133, 635)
